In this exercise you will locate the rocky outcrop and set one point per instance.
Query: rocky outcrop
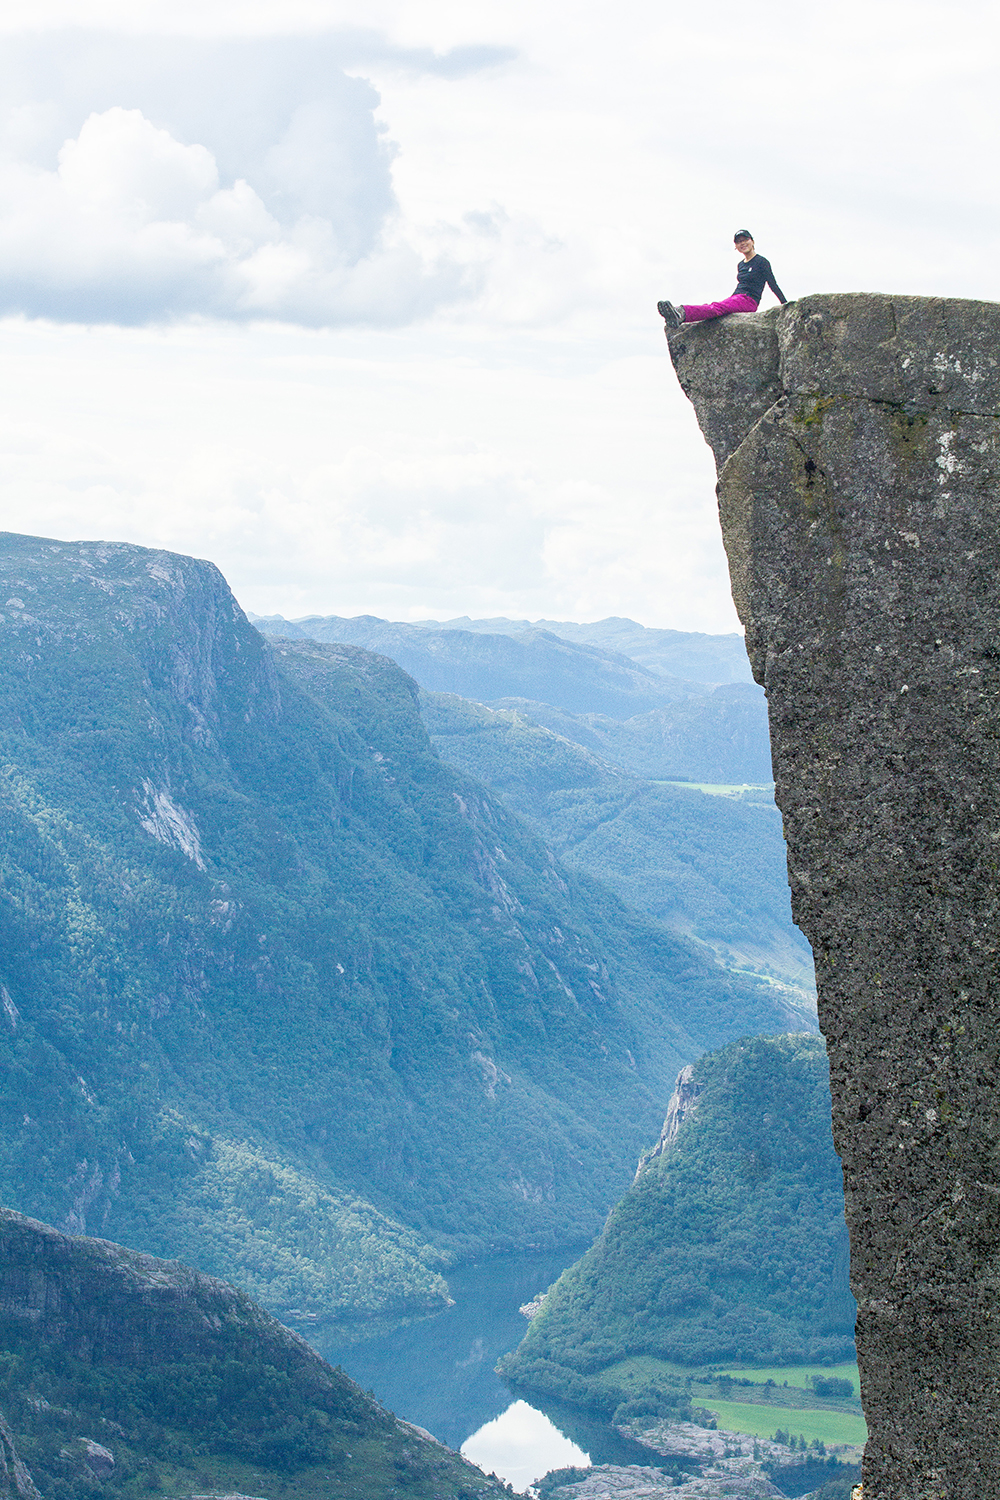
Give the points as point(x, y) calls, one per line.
point(682, 1103)
point(858, 445)
point(16, 1482)
point(723, 1466)
point(729, 1480)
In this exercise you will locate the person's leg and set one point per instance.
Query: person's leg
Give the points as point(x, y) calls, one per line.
point(700, 313)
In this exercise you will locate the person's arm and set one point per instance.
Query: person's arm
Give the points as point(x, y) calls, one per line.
point(775, 288)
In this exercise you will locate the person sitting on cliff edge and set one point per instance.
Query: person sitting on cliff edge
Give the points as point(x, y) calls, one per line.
point(752, 275)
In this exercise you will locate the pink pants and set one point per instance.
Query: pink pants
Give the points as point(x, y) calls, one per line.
point(738, 302)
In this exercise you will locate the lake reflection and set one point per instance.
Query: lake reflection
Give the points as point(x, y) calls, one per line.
point(439, 1372)
point(521, 1445)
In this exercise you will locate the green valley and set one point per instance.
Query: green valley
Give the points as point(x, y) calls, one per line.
point(283, 993)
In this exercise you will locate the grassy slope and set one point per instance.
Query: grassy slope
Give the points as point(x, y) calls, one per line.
point(797, 1376)
point(831, 1427)
point(751, 1405)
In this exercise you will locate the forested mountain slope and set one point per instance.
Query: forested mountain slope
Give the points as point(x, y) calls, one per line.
point(718, 737)
point(707, 866)
point(122, 1375)
point(283, 994)
point(731, 1243)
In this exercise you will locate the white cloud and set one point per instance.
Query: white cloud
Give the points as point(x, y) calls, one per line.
point(144, 180)
point(615, 158)
point(132, 226)
point(122, 165)
point(410, 479)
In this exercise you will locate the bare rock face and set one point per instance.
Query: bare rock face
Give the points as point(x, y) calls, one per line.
point(858, 444)
point(100, 1460)
point(16, 1482)
point(683, 1102)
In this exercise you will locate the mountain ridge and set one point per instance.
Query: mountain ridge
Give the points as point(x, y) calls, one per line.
point(487, 666)
point(649, 722)
point(689, 655)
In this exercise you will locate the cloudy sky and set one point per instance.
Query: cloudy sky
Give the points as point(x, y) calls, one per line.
point(359, 302)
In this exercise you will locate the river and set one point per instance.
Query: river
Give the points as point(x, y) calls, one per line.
point(439, 1374)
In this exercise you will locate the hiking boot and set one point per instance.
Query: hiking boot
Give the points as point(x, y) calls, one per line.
point(673, 316)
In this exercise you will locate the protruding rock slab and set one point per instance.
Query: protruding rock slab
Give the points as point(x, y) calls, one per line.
point(860, 503)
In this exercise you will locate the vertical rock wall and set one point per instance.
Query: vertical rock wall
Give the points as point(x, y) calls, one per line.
point(858, 445)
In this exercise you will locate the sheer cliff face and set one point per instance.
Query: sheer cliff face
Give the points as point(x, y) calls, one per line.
point(858, 445)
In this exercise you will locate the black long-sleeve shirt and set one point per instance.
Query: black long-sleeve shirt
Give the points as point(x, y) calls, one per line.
point(753, 275)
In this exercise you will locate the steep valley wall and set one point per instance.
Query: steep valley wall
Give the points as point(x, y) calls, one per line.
point(858, 445)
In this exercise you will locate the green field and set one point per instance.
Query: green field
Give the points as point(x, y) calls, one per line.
point(764, 1421)
point(797, 1375)
point(640, 1373)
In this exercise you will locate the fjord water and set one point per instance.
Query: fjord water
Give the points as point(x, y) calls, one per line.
point(439, 1373)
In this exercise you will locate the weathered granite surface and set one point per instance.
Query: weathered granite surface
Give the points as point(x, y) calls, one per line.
point(858, 442)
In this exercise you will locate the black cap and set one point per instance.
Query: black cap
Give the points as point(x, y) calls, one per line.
point(742, 234)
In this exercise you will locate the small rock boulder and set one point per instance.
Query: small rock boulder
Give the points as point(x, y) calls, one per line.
point(100, 1460)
